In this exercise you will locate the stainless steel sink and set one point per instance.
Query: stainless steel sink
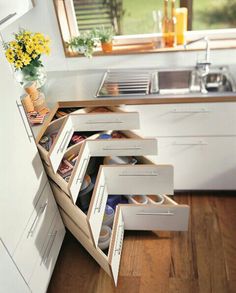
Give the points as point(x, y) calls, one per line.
point(219, 81)
point(140, 82)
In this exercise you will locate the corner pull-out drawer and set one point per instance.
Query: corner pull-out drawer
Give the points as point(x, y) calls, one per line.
point(168, 216)
point(40, 278)
point(105, 121)
point(28, 251)
point(139, 179)
point(111, 262)
point(62, 130)
point(99, 148)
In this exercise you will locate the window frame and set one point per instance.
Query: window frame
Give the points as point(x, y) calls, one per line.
point(141, 43)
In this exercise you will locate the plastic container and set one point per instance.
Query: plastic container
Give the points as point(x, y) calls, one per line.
point(137, 199)
point(108, 216)
point(119, 161)
point(84, 197)
point(104, 238)
point(155, 198)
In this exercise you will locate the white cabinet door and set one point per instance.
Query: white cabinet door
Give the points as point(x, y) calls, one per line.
point(200, 163)
point(11, 10)
point(11, 280)
point(22, 176)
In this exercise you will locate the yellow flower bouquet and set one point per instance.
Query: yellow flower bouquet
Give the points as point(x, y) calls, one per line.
point(24, 54)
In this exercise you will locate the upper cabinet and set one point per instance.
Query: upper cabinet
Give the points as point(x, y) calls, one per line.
point(11, 10)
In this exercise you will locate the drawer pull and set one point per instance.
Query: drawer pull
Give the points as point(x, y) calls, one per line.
point(103, 122)
point(80, 176)
point(7, 18)
point(99, 204)
point(175, 111)
point(36, 220)
point(19, 106)
point(189, 144)
point(64, 141)
point(49, 247)
point(120, 149)
point(155, 214)
point(140, 174)
point(119, 241)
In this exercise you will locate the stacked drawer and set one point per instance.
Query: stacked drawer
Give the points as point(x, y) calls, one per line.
point(144, 178)
point(198, 139)
point(44, 229)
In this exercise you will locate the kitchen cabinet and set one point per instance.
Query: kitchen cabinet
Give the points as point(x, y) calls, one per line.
point(143, 178)
point(11, 280)
point(27, 205)
point(198, 139)
point(11, 10)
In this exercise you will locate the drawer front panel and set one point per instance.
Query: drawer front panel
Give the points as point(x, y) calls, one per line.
point(97, 206)
point(105, 121)
point(40, 278)
point(78, 173)
point(187, 119)
point(115, 250)
point(57, 151)
point(165, 217)
point(123, 147)
point(200, 163)
point(139, 179)
point(35, 233)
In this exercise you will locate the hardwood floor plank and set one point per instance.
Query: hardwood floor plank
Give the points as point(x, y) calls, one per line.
point(177, 285)
point(155, 264)
point(209, 246)
point(227, 219)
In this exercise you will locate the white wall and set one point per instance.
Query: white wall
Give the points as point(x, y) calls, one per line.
point(42, 18)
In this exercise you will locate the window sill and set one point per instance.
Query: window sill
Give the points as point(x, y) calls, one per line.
point(153, 46)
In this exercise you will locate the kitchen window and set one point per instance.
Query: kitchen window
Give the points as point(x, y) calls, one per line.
point(134, 22)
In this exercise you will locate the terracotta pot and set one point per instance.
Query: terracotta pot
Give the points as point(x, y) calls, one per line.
point(107, 47)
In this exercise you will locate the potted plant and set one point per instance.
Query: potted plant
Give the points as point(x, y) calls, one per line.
point(84, 44)
point(105, 36)
point(24, 53)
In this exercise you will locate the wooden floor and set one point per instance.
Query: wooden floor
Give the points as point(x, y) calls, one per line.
point(200, 260)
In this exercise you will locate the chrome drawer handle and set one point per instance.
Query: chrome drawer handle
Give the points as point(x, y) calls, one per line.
point(175, 111)
point(98, 205)
point(189, 144)
point(156, 214)
point(19, 106)
point(36, 220)
point(120, 149)
point(64, 141)
point(49, 247)
point(80, 175)
point(105, 122)
point(119, 241)
point(153, 174)
point(7, 18)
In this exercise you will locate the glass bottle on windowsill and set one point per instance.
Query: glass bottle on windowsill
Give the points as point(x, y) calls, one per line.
point(172, 26)
point(165, 25)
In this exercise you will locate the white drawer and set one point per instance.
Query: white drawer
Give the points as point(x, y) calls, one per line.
point(187, 119)
point(111, 262)
point(39, 280)
point(200, 163)
point(82, 121)
point(139, 179)
point(99, 148)
point(29, 250)
point(65, 130)
point(168, 216)
point(115, 120)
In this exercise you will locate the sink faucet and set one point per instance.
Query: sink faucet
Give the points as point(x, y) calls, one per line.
point(203, 66)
